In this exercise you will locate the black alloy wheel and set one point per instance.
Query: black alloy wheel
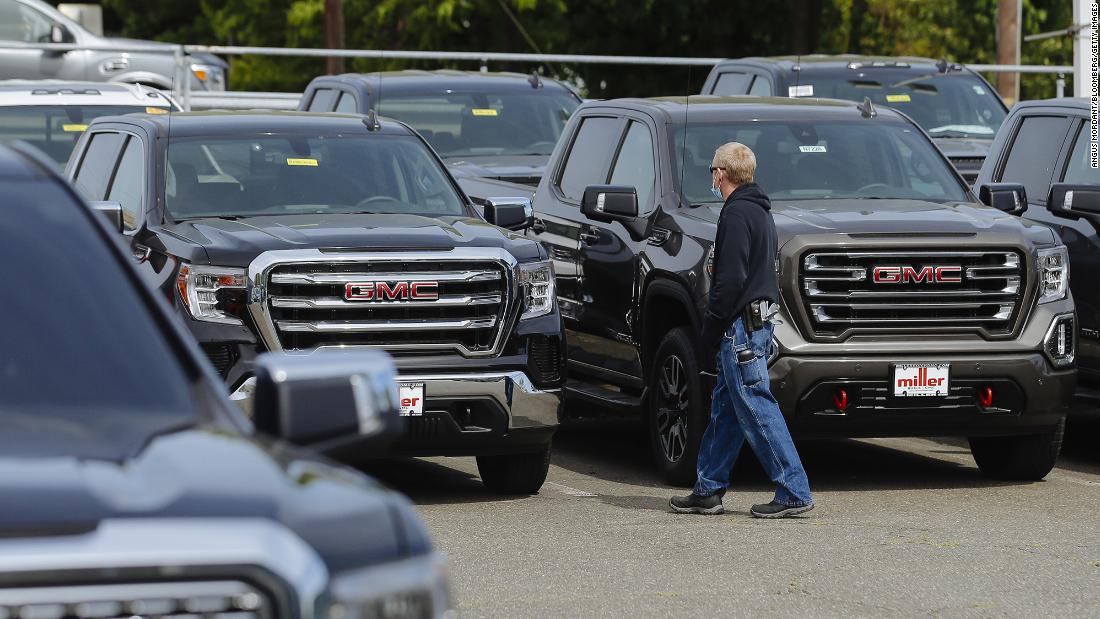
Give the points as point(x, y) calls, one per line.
point(676, 408)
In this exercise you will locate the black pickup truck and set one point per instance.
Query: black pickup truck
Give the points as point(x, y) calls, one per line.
point(131, 486)
point(907, 307)
point(289, 231)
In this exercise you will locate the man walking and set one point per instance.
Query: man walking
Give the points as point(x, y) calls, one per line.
point(743, 294)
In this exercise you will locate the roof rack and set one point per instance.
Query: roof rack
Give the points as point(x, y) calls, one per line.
point(879, 64)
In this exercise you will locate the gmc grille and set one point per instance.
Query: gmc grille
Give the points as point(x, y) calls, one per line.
point(841, 297)
point(229, 599)
point(308, 307)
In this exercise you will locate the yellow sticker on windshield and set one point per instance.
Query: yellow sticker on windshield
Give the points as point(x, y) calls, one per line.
point(74, 128)
point(902, 98)
point(156, 110)
point(305, 162)
point(484, 111)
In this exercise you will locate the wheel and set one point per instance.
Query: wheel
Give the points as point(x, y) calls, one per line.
point(1018, 458)
point(676, 409)
point(515, 474)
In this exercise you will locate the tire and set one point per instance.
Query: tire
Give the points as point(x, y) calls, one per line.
point(515, 474)
point(1018, 458)
point(676, 409)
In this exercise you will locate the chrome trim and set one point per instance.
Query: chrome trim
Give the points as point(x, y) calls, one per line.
point(1068, 361)
point(259, 270)
point(126, 598)
point(383, 326)
point(365, 278)
point(527, 406)
point(447, 300)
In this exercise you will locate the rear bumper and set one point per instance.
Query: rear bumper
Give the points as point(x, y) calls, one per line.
point(1029, 396)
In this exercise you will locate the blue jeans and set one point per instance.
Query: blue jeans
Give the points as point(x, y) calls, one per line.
point(743, 409)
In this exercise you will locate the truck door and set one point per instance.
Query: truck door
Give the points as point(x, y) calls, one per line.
point(20, 23)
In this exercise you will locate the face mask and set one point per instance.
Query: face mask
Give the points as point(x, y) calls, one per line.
point(716, 191)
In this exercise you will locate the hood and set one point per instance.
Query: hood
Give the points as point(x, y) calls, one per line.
point(238, 242)
point(896, 218)
point(527, 169)
point(204, 473)
point(959, 148)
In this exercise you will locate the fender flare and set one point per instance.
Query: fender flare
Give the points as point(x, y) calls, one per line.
point(668, 286)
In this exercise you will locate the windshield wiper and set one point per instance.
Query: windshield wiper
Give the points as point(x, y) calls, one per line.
point(225, 217)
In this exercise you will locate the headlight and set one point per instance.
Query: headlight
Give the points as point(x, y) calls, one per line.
point(212, 294)
point(1053, 267)
point(536, 281)
point(411, 589)
point(209, 76)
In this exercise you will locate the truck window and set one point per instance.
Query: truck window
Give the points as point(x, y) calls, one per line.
point(1033, 153)
point(54, 129)
point(94, 373)
point(760, 87)
point(587, 161)
point(346, 104)
point(126, 189)
point(97, 165)
point(1079, 168)
point(732, 84)
point(634, 166)
point(322, 100)
point(19, 22)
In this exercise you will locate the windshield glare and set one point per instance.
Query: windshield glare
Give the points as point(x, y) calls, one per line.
point(472, 124)
point(54, 129)
point(244, 176)
point(950, 106)
point(821, 160)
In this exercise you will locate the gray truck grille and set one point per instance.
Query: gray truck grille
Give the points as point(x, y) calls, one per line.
point(222, 599)
point(841, 295)
point(309, 306)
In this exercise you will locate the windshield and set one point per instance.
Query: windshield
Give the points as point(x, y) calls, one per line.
point(954, 105)
point(85, 370)
point(54, 129)
point(471, 124)
point(245, 176)
point(819, 160)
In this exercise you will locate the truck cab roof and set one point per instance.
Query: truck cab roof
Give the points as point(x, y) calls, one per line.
point(702, 108)
point(236, 123)
point(410, 81)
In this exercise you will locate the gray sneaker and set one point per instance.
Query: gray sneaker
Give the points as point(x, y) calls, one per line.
point(695, 504)
point(778, 510)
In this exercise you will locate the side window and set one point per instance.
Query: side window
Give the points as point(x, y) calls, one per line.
point(1033, 153)
point(346, 104)
point(1079, 167)
point(587, 161)
point(761, 87)
point(732, 84)
point(322, 101)
point(96, 166)
point(126, 189)
point(19, 22)
point(634, 165)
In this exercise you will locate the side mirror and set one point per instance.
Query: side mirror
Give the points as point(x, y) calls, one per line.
point(112, 211)
point(509, 213)
point(1008, 197)
point(610, 203)
point(1074, 201)
point(326, 399)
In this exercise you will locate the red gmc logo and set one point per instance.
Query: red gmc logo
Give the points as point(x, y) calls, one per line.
point(909, 274)
point(391, 291)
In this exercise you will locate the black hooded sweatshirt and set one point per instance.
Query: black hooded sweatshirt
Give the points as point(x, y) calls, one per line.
point(744, 260)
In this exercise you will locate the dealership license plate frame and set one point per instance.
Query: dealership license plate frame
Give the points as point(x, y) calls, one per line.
point(895, 392)
point(411, 389)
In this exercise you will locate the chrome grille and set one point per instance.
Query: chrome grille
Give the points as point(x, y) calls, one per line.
point(841, 297)
point(224, 599)
point(306, 306)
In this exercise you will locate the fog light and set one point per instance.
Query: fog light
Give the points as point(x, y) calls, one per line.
point(985, 396)
point(1060, 342)
point(840, 398)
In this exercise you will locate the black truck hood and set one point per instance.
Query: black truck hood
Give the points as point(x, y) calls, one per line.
point(526, 169)
point(238, 242)
point(964, 148)
point(205, 473)
point(896, 218)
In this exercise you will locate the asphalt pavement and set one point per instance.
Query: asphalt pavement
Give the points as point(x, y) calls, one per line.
point(902, 527)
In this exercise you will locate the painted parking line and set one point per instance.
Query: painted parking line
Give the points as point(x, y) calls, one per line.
point(562, 488)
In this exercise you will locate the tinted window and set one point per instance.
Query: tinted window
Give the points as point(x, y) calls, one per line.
point(525, 122)
point(732, 84)
point(816, 160)
point(635, 164)
point(346, 104)
point(1079, 168)
point(54, 129)
point(946, 106)
point(129, 180)
point(1032, 155)
point(587, 161)
point(322, 100)
point(285, 174)
point(85, 370)
point(760, 87)
point(98, 164)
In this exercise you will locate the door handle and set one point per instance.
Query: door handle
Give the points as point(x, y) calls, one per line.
point(538, 226)
point(590, 238)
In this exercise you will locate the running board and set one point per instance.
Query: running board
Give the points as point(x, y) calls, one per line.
point(580, 390)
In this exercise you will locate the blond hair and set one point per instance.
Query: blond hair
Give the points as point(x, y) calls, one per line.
point(737, 161)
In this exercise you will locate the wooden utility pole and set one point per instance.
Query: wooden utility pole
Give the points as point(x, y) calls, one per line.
point(1008, 47)
point(334, 34)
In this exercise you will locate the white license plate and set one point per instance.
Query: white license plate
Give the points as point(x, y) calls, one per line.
point(411, 397)
point(921, 379)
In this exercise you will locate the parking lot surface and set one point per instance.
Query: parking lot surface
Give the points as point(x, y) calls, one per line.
point(902, 527)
